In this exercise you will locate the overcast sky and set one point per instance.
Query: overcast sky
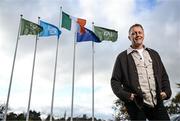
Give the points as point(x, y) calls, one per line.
point(161, 22)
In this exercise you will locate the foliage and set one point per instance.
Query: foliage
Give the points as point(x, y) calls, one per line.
point(174, 107)
point(33, 116)
point(12, 116)
point(2, 107)
point(120, 111)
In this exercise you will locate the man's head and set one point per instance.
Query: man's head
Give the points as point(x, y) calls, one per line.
point(136, 36)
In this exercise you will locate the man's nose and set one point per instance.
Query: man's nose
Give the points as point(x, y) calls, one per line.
point(137, 33)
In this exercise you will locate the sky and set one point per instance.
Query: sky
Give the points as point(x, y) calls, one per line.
point(161, 22)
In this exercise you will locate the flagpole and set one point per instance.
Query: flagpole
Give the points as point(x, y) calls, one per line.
point(12, 71)
point(32, 76)
point(93, 75)
point(73, 76)
point(55, 68)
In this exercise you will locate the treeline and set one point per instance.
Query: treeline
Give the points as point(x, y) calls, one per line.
point(35, 116)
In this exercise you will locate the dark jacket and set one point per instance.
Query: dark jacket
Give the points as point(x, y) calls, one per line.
point(125, 81)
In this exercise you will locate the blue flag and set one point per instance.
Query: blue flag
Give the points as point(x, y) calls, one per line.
point(49, 30)
point(87, 35)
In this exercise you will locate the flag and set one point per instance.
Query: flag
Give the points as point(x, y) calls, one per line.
point(49, 30)
point(88, 35)
point(106, 34)
point(29, 28)
point(66, 21)
point(82, 23)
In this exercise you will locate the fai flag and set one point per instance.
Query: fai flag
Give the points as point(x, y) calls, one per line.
point(29, 28)
point(106, 34)
point(49, 30)
point(87, 35)
point(66, 21)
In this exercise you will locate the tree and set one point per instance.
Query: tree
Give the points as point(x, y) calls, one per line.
point(34, 116)
point(2, 107)
point(11, 116)
point(120, 111)
point(174, 107)
point(21, 117)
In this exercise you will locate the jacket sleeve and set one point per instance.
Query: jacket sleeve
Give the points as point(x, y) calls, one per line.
point(116, 82)
point(165, 83)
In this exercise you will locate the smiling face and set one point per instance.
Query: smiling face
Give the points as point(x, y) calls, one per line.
point(136, 35)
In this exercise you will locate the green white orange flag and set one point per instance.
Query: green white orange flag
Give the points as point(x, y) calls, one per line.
point(29, 28)
point(67, 21)
point(106, 34)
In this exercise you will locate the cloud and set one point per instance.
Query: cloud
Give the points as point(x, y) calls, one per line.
point(161, 24)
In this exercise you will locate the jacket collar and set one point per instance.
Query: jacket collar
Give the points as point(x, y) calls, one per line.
point(130, 49)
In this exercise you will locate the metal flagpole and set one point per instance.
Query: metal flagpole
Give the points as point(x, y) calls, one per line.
point(12, 71)
point(55, 68)
point(73, 76)
point(93, 76)
point(32, 76)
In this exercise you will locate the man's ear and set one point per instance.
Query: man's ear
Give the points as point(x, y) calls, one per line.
point(129, 38)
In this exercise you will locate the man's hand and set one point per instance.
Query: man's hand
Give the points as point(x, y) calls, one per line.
point(132, 97)
point(163, 95)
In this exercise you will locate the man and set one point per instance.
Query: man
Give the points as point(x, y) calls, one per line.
point(140, 79)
